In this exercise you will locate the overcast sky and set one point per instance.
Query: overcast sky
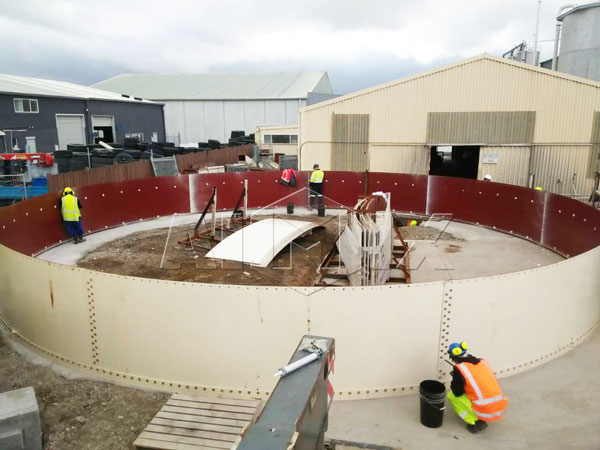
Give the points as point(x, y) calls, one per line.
point(359, 43)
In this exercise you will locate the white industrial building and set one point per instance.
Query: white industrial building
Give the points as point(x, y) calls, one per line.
point(211, 105)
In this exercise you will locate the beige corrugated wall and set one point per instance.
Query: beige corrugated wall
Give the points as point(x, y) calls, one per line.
point(399, 159)
point(564, 106)
point(555, 166)
point(350, 142)
point(512, 166)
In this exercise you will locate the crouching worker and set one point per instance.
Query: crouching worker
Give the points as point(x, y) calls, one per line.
point(474, 392)
point(70, 208)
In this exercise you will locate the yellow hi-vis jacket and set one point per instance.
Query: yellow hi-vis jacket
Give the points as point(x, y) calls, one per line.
point(70, 209)
point(317, 176)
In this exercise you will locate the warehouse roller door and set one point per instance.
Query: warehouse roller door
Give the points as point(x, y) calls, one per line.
point(71, 130)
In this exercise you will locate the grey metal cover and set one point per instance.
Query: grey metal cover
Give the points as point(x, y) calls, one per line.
point(164, 167)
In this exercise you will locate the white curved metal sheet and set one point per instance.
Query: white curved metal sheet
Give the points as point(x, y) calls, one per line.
point(258, 243)
point(229, 340)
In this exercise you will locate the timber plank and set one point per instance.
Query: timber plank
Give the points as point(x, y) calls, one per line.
point(185, 440)
point(219, 401)
point(191, 433)
point(212, 406)
point(206, 412)
point(196, 426)
point(142, 444)
point(195, 418)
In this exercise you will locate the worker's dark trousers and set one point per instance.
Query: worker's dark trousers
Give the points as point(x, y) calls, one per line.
point(316, 193)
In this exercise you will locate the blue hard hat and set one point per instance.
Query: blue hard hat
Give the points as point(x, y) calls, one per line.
point(458, 349)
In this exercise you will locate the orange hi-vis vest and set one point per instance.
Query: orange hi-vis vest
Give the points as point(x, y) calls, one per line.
point(482, 388)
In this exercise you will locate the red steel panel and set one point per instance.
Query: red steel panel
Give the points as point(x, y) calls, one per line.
point(570, 226)
point(110, 204)
point(264, 189)
point(31, 225)
point(508, 208)
point(409, 192)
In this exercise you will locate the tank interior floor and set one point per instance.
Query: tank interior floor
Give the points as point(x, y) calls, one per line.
point(470, 251)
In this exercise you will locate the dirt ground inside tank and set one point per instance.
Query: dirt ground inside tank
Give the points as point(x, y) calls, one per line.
point(140, 254)
point(79, 414)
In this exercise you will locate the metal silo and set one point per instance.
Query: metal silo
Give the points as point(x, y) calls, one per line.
point(580, 42)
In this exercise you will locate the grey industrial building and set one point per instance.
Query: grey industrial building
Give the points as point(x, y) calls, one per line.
point(206, 106)
point(39, 115)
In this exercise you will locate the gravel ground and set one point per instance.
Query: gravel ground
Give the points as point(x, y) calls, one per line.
point(77, 414)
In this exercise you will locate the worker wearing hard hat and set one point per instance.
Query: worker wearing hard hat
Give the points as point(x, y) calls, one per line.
point(315, 184)
point(487, 177)
point(474, 391)
point(70, 209)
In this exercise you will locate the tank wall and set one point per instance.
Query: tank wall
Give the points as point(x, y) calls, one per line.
point(229, 340)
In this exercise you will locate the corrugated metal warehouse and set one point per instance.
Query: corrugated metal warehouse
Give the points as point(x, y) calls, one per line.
point(44, 115)
point(484, 115)
point(211, 105)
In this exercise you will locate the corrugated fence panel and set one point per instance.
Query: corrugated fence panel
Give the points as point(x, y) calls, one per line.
point(143, 169)
point(350, 142)
point(512, 166)
point(502, 127)
point(412, 159)
point(99, 175)
point(562, 169)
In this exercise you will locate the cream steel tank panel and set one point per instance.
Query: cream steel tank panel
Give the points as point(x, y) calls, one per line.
point(228, 339)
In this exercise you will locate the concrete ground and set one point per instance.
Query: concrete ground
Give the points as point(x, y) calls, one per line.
point(477, 252)
point(554, 406)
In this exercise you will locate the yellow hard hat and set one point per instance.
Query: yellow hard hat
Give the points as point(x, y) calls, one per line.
point(538, 188)
point(412, 223)
point(67, 190)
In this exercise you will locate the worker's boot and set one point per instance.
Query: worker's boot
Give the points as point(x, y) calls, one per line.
point(76, 239)
point(479, 426)
point(81, 239)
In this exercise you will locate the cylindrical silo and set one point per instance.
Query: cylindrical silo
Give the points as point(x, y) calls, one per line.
point(580, 42)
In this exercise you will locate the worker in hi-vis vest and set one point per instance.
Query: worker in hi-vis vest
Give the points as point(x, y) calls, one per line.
point(315, 185)
point(474, 391)
point(70, 209)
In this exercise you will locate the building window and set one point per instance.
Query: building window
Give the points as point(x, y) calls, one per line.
point(26, 105)
point(280, 139)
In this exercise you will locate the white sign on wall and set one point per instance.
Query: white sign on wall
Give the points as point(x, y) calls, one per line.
point(491, 158)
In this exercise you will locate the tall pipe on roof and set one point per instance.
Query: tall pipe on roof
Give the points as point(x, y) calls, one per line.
point(557, 36)
point(537, 29)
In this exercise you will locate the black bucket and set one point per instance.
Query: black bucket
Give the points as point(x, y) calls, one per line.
point(321, 211)
point(290, 208)
point(433, 400)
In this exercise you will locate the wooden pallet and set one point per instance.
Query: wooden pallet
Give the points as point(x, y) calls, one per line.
point(188, 422)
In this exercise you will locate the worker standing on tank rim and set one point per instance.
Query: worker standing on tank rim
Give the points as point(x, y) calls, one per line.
point(70, 209)
point(315, 184)
point(474, 391)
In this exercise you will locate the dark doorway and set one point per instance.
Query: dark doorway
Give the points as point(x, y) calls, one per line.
point(104, 134)
point(454, 161)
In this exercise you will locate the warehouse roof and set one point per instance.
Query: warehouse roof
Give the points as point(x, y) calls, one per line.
point(539, 70)
point(577, 8)
point(220, 86)
point(11, 84)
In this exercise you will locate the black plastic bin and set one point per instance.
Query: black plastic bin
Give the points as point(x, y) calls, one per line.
point(433, 401)
point(290, 208)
